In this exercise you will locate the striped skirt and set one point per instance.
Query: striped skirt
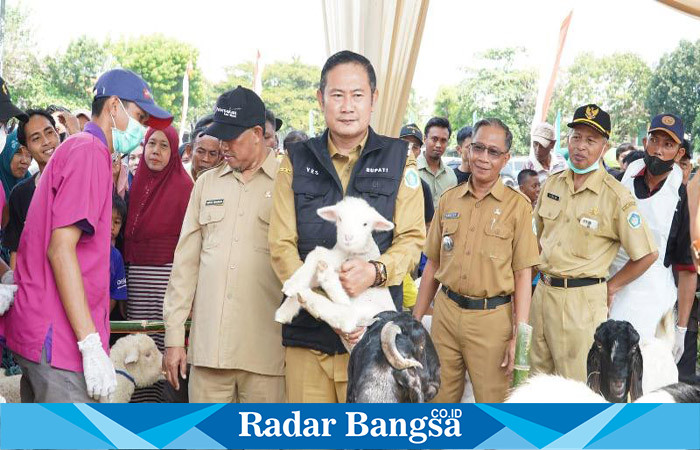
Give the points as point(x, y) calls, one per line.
point(146, 287)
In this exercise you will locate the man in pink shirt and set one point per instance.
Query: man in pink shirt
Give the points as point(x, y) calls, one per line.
point(59, 325)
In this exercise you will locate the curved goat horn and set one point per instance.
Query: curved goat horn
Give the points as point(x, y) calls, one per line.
point(388, 338)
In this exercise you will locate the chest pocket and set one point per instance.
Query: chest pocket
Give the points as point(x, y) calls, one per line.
point(449, 234)
point(263, 227)
point(210, 218)
point(499, 241)
point(309, 193)
point(377, 190)
point(587, 240)
point(550, 210)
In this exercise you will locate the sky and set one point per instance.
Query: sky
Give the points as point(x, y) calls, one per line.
point(230, 32)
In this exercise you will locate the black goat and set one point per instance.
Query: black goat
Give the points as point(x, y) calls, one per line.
point(394, 362)
point(615, 362)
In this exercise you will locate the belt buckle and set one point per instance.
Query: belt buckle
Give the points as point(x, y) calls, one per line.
point(486, 303)
point(566, 283)
point(545, 278)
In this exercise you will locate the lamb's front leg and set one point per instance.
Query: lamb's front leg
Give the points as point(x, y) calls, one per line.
point(338, 316)
point(288, 310)
point(303, 277)
point(328, 279)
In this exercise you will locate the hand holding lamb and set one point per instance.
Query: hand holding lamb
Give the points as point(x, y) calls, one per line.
point(355, 220)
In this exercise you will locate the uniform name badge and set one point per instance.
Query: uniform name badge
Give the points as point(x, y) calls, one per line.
point(447, 243)
point(591, 224)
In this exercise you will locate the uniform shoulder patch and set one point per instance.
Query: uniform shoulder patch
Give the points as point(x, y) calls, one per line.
point(634, 220)
point(411, 178)
point(286, 170)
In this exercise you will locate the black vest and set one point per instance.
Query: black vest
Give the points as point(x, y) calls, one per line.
point(375, 178)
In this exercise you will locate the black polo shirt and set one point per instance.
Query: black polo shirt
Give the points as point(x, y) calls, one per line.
point(678, 246)
point(18, 206)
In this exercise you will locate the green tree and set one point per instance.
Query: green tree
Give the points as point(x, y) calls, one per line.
point(497, 85)
point(416, 109)
point(675, 86)
point(618, 83)
point(162, 62)
point(289, 90)
point(73, 74)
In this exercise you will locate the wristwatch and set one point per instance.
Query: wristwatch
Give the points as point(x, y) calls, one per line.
point(380, 273)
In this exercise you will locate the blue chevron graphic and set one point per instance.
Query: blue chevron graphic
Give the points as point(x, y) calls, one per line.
point(194, 438)
point(582, 435)
point(531, 432)
point(116, 433)
point(162, 435)
point(506, 439)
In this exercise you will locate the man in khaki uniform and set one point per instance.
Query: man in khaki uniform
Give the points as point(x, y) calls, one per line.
point(348, 159)
point(222, 270)
point(481, 248)
point(582, 217)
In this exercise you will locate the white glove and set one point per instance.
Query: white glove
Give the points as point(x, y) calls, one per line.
point(8, 277)
point(679, 344)
point(7, 297)
point(100, 378)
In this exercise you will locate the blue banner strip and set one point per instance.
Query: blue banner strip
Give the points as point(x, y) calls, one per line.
point(358, 426)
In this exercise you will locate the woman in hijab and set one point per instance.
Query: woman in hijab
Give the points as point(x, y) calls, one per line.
point(14, 166)
point(157, 202)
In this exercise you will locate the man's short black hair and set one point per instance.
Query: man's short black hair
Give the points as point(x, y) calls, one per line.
point(119, 205)
point(196, 134)
point(21, 134)
point(494, 122)
point(633, 156)
point(525, 174)
point(464, 133)
point(622, 148)
point(687, 146)
point(98, 105)
point(293, 137)
point(205, 121)
point(348, 57)
point(440, 122)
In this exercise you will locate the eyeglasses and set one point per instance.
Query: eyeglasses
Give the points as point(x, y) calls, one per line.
point(478, 149)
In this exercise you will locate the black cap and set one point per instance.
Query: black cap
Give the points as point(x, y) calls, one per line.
point(670, 124)
point(593, 116)
point(411, 130)
point(278, 124)
point(7, 109)
point(235, 112)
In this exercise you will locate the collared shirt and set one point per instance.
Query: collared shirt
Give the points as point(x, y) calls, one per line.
point(409, 225)
point(581, 231)
point(557, 164)
point(678, 246)
point(74, 189)
point(222, 273)
point(439, 182)
point(479, 244)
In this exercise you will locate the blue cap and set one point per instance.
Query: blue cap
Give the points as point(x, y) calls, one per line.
point(127, 85)
point(671, 124)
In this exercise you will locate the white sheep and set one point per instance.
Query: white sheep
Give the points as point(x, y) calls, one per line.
point(657, 355)
point(355, 220)
point(138, 363)
point(135, 357)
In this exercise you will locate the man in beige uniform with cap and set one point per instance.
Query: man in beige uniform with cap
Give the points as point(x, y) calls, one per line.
point(222, 271)
point(582, 217)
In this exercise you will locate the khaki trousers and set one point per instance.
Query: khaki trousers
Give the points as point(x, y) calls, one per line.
point(209, 385)
point(475, 341)
point(564, 321)
point(315, 377)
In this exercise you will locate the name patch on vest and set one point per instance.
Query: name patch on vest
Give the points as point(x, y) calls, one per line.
point(311, 171)
point(451, 215)
point(552, 196)
point(214, 202)
point(376, 170)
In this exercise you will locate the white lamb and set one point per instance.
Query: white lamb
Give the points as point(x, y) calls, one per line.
point(355, 220)
point(138, 363)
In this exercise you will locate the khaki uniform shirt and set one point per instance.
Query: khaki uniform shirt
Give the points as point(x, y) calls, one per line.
point(444, 179)
point(222, 273)
point(480, 243)
point(581, 232)
point(409, 224)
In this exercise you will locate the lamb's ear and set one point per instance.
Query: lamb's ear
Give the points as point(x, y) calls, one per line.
point(381, 224)
point(635, 379)
point(132, 355)
point(329, 213)
point(593, 368)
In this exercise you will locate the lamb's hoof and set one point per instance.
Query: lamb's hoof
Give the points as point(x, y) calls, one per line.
point(323, 273)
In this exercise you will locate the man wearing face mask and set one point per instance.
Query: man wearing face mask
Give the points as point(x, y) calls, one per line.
point(582, 217)
point(59, 326)
point(657, 183)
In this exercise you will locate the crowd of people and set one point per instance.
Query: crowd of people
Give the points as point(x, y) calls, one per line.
point(106, 214)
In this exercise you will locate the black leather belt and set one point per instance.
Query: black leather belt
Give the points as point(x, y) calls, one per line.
point(570, 282)
point(475, 303)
